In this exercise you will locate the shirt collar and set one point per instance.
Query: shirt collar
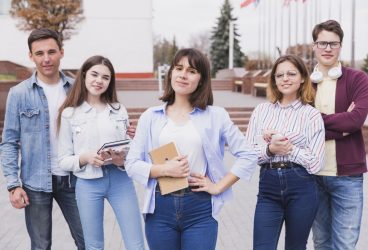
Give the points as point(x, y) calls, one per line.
point(162, 108)
point(295, 104)
point(85, 107)
point(33, 80)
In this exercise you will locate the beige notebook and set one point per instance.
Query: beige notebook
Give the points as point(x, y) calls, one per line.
point(160, 156)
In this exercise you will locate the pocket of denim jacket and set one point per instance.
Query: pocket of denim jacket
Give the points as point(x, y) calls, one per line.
point(121, 125)
point(30, 120)
point(78, 127)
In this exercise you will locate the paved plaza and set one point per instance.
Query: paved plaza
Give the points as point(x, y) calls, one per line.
point(236, 218)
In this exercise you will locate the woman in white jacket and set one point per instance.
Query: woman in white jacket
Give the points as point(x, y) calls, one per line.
point(91, 116)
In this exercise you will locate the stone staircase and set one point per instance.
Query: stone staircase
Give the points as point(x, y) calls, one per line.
point(151, 84)
point(239, 115)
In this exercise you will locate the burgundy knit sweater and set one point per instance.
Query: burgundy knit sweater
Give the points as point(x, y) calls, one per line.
point(352, 86)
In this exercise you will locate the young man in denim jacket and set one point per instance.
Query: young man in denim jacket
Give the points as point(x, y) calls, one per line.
point(30, 129)
point(342, 98)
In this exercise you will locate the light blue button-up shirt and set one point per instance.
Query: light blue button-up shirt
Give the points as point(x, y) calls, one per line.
point(27, 131)
point(215, 128)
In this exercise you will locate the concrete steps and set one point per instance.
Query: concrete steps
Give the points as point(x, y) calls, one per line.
point(151, 84)
point(239, 115)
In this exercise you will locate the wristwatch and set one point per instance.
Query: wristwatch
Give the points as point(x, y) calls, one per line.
point(268, 151)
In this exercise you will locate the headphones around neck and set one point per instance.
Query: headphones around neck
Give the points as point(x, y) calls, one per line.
point(333, 73)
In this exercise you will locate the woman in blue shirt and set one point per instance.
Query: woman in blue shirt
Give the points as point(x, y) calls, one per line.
point(186, 219)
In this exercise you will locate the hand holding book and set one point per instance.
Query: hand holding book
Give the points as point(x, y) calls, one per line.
point(176, 167)
point(170, 169)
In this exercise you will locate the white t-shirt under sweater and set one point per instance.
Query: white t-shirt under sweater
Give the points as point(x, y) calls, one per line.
point(55, 95)
point(325, 103)
point(188, 142)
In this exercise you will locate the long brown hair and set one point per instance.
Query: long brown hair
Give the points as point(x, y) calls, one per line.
point(79, 93)
point(202, 96)
point(306, 92)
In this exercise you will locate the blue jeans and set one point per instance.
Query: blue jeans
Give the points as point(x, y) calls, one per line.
point(182, 222)
point(285, 195)
point(39, 213)
point(118, 189)
point(337, 224)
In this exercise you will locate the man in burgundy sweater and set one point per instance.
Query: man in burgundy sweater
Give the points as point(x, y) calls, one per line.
point(342, 98)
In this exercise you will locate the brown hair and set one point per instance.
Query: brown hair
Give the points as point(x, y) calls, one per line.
point(78, 93)
point(306, 92)
point(202, 96)
point(330, 25)
point(42, 34)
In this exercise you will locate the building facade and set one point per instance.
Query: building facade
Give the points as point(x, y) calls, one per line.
point(119, 30)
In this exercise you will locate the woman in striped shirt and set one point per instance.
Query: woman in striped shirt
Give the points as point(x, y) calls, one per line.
point(288, 134)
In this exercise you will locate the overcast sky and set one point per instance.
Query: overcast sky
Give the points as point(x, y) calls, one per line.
point(184, 18)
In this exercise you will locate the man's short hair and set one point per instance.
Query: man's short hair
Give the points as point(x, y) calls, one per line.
point(41, 34)
point(330, 25)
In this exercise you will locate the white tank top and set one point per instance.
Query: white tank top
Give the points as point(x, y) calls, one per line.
point(188, 142)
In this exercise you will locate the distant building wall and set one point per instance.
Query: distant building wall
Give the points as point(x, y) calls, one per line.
point(119, 30)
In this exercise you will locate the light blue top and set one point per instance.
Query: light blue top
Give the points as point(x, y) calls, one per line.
point(27, 131)
point(79, 133)
point(215, 128)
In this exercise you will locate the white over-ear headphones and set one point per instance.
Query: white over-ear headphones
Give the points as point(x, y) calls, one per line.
point(333, 73)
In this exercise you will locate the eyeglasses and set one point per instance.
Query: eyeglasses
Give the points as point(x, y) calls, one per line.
point(324, 44)
point(291, 74)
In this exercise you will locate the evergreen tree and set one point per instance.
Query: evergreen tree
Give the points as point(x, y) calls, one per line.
point(219, 50)
point(365, 65)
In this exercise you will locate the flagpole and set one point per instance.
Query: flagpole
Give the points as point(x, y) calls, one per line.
point(281, 30)
point(289, 26)
point(296, 23)
point(259, 37)
point(274, 33)
point(269, 35)
point(353, 35)
point(305, 14)
point(264, 38)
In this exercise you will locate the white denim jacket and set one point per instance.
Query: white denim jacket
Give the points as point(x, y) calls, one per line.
point(78, 135)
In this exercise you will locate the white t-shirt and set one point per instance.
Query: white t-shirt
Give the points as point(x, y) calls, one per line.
point(188, 142)
point(55, 95)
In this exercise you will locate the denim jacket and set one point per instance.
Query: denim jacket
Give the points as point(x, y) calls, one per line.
point(215, 128)
point(27, 131)
point(78, 135)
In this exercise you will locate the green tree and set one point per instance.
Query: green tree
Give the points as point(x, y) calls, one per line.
point(365, 65)
point(172, 51)
point(163, 51)
point(59, 15)
point(219, 51)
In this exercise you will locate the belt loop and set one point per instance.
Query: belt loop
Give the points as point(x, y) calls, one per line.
point(69, 181)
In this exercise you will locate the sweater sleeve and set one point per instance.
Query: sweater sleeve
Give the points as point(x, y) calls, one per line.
point(350, 122)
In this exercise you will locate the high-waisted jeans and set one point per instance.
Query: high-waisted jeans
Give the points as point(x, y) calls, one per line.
point(285, 195)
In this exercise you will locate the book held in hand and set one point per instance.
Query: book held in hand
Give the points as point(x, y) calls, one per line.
point(159, 156)
point(115, 145)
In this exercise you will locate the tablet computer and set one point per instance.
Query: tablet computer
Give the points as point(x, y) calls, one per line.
point(115, 145)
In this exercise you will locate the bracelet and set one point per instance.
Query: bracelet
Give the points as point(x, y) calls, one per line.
point(268, 151)
point(12, 189)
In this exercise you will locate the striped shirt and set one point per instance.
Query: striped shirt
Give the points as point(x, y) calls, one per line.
point(301, 124)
